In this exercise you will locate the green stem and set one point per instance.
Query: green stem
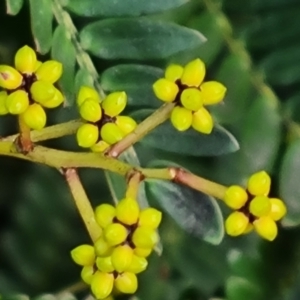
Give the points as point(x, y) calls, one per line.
point(67, 159)
point(83, 59)
point(200, 184)
point(134, 181)
point(157, 118)
point(82, 203)
point(189, 179)
point(50, 132)
point(24, 139)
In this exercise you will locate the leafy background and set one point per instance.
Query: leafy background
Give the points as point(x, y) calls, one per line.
point(251, 47)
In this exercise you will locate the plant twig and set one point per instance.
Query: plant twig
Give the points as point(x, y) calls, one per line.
point(157, 118)
point(134, 180)
point(23, 140)
point(50, 132)
point(82, 203)
point(83, 59)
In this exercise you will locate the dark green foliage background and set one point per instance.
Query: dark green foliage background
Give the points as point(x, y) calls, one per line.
point(254, 48)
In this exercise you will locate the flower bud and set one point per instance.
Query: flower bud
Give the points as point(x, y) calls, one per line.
point(260, 206)
point(126, 124)
point(55, 101)
point(87, 273)
point(236, 223)
point(10, 78)
point(87, 92)
point(193, 73)
point(278, 209)
point(114, 103)
point(121, 258)
point(111, 133)
point(101, 146)
point(104, 264)
point(138, 264)
point(3, 108)
point(181, 118)
point(202, 121)
point(127, 211)
point(213, 92)
point(126, 283)
point(102, 248)
point(266, 228)
point(150, 217)
point(17, 102)
point(49, 71)
point(87, 135)
point(83, 255)
point(102, 284)
point(173, 72)
point(25, 60)
point(144, 237)
point(42, 91)
point(105, 214)
point(35, 116)
point(37, 65)
point(259, 184)
point(165, 90)
point(235, 197)
point(142, 252)
point(115, 234)
point(191, 99)
point(90, 110)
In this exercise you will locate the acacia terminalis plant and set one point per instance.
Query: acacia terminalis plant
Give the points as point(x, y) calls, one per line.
point(176, 117)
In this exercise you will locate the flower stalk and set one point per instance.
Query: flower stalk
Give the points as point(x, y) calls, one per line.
point(82, 203)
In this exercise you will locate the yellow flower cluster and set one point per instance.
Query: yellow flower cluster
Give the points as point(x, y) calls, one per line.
point(104, 126)
point(28, 88)
point(185, 87)
point(254, 209)
point(128, 237)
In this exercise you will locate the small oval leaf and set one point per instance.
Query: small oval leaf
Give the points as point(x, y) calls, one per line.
point(63, 51)
point(138, 39)
point(135, 80)
point(13, 7)
point(166, 137)
point(195, 212)
point(119, 8)
point(41, 24)
point(289, 184)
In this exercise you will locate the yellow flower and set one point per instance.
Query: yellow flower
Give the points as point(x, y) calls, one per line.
point(185, 87)
point(256, 206)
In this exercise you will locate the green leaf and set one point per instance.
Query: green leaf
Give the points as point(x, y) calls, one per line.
point(41, 24)
point(166, 137)
point(13, 7)
point(195, 212)
point(135, 80)
point(289, 184)
point(119, 8)
point(138, 39)
point(240, 91)
point(261, 135)
point(282, 59)
point(238, 288)
point(63, 51)
point(83, 77)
